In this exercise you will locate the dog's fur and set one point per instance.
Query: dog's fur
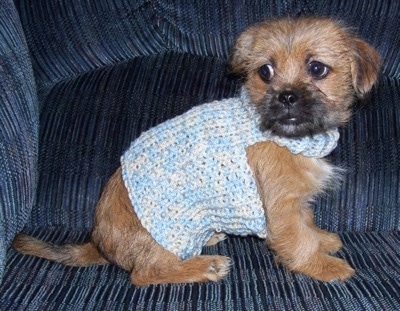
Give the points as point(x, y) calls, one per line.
point(303, 74)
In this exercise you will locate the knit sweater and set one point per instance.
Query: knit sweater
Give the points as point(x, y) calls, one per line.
point(189, 177)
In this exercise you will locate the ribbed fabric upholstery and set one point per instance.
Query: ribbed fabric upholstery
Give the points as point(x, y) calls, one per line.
point(106, 71)
point(256, 282)
point(68, 38)
point(18, 129)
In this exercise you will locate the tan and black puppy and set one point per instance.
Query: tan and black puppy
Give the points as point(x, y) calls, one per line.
point(302, 75)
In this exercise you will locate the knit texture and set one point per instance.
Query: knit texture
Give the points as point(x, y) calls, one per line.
point(189, 177)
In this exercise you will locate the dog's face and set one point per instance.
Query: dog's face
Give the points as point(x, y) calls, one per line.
point(304, 74)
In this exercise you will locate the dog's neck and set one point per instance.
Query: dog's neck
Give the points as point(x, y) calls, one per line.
point(317, 146)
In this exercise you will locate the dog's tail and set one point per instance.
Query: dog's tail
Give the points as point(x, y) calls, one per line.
point(78, 255)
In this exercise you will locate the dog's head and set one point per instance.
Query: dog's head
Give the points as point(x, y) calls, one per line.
point(304, 74)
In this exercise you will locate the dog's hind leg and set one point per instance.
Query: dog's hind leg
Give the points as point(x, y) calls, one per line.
point(167, 268)
point(123, 241)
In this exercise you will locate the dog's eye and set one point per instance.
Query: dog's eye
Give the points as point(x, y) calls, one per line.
point(318, 70)
point(266, 72)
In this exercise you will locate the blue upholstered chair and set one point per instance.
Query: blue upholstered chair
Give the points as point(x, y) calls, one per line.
point(80, 79)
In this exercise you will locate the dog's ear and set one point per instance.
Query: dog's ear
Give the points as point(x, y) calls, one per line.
point(365, 67)
point(239, 61)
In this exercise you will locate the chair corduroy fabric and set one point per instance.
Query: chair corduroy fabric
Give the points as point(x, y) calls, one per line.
point(105, 71)
point(19, 122)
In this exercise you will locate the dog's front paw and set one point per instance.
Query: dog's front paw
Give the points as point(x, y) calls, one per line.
point(327, 268)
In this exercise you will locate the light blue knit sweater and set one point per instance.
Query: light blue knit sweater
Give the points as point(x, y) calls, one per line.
point(189, 177)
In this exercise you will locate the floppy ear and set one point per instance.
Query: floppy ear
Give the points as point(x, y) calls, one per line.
point(365, 67)
point(241, 52)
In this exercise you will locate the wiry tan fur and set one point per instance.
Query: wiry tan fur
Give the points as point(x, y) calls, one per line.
point(299, 244)
point(287, 183)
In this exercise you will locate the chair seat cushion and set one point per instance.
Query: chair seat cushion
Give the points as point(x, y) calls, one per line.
point(256, 281)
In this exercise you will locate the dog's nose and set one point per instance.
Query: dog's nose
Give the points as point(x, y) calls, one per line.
point(288, 98)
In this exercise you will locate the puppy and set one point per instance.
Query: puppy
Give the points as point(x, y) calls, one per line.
point(301, 77)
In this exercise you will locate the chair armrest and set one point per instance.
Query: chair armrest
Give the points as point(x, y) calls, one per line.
point(18, 128)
